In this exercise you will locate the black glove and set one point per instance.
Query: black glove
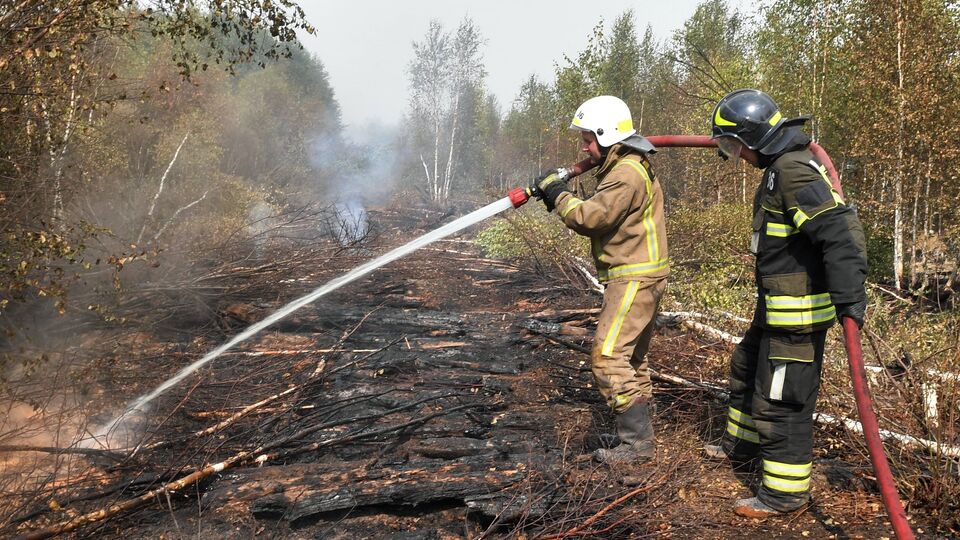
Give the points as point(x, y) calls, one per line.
point(548, 186)
point(856, 311)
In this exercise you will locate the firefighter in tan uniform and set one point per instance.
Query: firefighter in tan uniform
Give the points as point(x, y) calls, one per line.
point(624, 221)
point(810, 269)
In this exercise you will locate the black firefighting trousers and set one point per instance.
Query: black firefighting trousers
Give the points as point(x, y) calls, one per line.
point(774, 381)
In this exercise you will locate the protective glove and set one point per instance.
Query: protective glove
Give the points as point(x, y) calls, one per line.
point(856, 311)
point(548, 186)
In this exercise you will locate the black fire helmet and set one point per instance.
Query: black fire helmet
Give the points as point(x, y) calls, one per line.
point(753, 118)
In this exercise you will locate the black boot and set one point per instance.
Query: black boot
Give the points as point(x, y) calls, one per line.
point(635, 430)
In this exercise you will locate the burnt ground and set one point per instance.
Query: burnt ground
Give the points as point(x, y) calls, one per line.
point(419, 406)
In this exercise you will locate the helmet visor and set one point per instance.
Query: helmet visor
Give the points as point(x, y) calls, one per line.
point(729, 147)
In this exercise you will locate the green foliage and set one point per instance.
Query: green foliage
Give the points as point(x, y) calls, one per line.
point(879, 238)
point(531, 235)
point(37, 263)
point(711, 267)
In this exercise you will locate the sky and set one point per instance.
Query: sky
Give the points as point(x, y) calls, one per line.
point(367, 47)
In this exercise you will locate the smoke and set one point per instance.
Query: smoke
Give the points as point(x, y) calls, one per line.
point(351, 224)
point(363, 165)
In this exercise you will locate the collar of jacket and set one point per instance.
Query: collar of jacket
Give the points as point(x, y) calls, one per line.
point(793, 140)
point(616, 152)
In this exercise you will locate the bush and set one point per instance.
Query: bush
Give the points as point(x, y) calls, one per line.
point(531, 234)
point(879, 251)
point(711, 268)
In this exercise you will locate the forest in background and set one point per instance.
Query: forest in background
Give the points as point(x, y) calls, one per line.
point(149, 151)
point(119, 137)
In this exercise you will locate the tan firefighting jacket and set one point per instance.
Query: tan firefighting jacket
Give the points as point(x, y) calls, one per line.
point(624, 219)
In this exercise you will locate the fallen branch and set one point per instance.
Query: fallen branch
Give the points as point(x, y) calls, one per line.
point(597, 287)
point(654, 374)
point(592, 519)
point(698, 315)
point(908, 441)
point(116, 456)
point(555, 313)
point(262, 455)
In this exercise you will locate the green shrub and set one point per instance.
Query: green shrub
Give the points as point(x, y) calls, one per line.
point(531, 234)
point(879, 251)
point(711, 266)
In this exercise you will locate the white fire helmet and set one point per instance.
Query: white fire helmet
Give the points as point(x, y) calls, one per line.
point(608, 117)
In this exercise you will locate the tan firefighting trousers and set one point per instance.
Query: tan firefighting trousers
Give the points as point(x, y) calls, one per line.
point(623, 335)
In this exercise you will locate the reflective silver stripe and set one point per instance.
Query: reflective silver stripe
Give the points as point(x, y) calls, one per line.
point(809, 301)
point(781, 230)
point(776, 385)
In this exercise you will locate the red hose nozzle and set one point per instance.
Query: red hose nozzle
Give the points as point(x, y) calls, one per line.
point(519, 196)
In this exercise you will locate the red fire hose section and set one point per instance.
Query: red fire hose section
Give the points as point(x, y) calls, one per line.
point(888, 489)
point(704, 141)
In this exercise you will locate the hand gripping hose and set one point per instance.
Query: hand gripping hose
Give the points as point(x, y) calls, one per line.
point(851, 333)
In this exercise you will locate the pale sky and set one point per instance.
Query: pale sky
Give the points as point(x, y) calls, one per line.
point(366, 46)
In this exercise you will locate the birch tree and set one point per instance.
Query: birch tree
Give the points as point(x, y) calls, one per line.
point(445, 68)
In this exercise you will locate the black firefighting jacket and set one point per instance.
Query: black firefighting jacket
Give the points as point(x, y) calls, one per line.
point(809, 246)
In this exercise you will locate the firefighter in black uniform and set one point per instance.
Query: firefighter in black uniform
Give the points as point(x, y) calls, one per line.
point(810, 269)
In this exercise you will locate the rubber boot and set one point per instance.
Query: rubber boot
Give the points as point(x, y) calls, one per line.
point(635, 430)
point(754, 508)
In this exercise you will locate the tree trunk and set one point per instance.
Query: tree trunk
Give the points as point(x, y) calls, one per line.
point(448, 172)
point(898, 181)
point(435, 183)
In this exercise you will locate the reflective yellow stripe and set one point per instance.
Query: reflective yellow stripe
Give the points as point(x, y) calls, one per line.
point(721, 121)
point(775, 118)
point(788, 486)
point(653, 246)
point(790, 359)
point(822, 169)
point(653, 243)
point(650, 229)
point(800, 217)
point(636, 165)
point(620, 400)
point(809, 301)
point(625, 125)
point(800, 318)
point(571, 204)
point(787, 469)
point(617, 324)
point(741, 432)
point(741, 418)
point(771, 209)
point(781, 230)
point(628, 270)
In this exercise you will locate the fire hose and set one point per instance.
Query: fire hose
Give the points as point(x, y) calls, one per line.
point(851, 332)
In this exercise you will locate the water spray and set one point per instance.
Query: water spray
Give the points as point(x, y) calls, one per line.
point(515, 199)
